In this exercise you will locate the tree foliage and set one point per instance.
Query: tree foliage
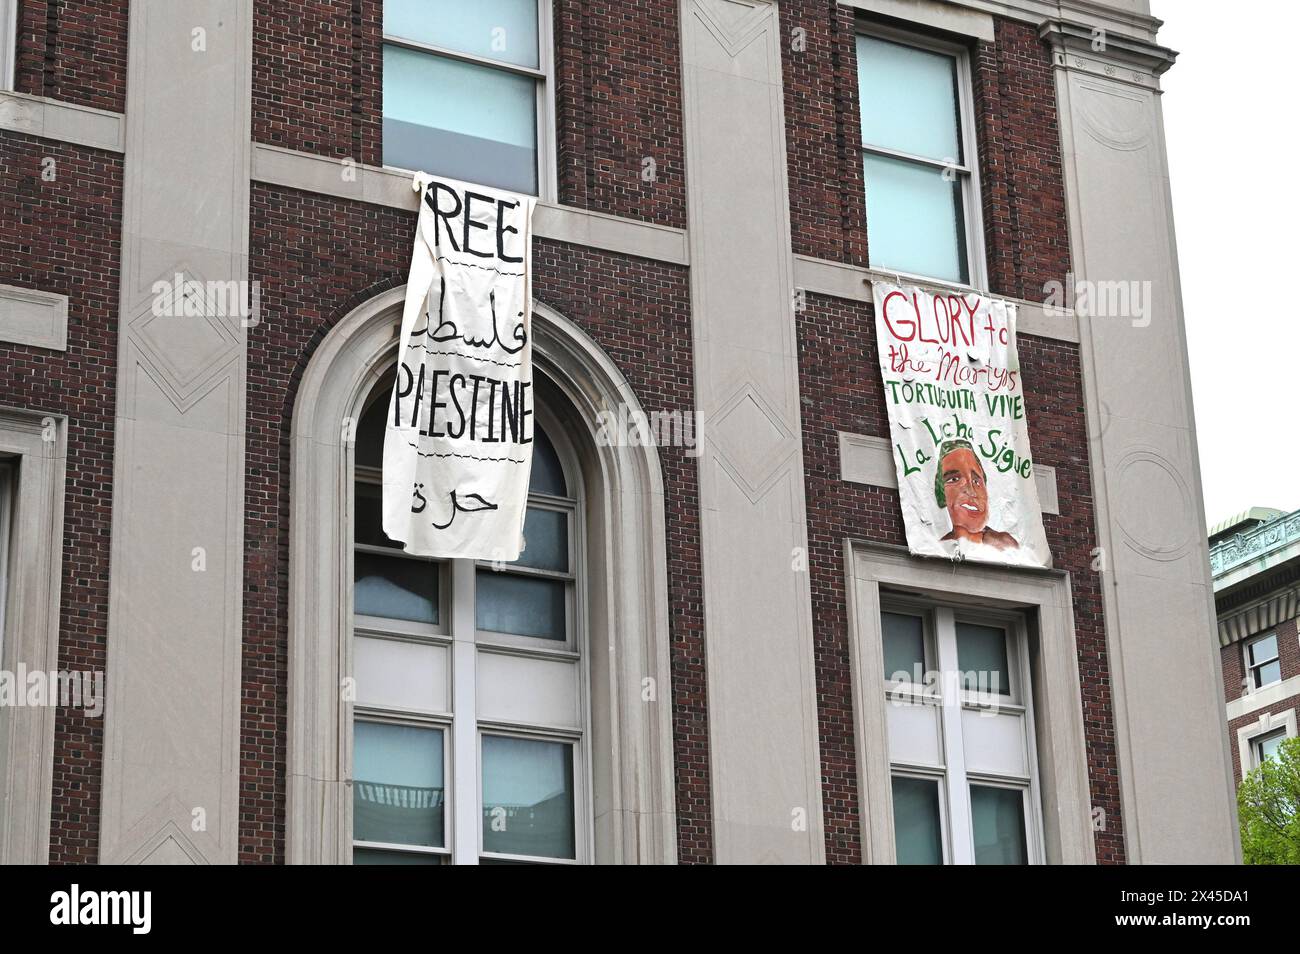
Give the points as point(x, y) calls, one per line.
point(1268, 805)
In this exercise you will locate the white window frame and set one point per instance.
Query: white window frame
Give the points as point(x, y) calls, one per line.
point(1251, 684)
point(8, 44)
point(967, 172)
point(1268, 724)
point(545, 89)
point(457, 631)
point(940, 620)
point(1257, 744)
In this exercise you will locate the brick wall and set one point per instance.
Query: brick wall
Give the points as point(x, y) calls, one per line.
point(317, 258)
point(1025, 229)
point(63, 235)
point(318, 88)
point(73, 50)
point(837, 364)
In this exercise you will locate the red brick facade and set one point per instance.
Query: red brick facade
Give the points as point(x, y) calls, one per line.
point(73, 50)
point(61, 209)
point(1234, 681)
point(317, 88)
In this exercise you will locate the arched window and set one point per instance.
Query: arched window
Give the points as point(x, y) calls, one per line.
point(464, 712)
point(469, 716)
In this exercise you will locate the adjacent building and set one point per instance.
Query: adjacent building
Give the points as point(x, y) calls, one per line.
point(205, 225)
point(1255, 557)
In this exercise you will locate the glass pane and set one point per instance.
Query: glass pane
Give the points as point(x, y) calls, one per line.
point(998, 825)
point(547, 475)
point(914, 219)
point(546, 540)
point(1268, 747)
point(1267, 674)
point(918, 838)
point(525, 606)
point(370, 430)
point(461, 120)
point(397, 792)
point(904, 639)
point(369, 500)
point(1263, 649)
point(396, 588)
point(374, 856)
point(908, 99)
point(496, 29)
point(982, 659)
point(528, 797)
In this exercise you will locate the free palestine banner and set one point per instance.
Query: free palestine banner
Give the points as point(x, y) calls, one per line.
point(459, 438)
point(957, 425)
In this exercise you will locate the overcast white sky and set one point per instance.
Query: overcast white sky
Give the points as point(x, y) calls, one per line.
point(1232, 152)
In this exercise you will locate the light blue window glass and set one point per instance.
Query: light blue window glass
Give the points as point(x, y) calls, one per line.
point(397, 789)
point(521, 605)
point(904, 642)
point(915, 221)
point(918, 835)
point(909, 100)
point(528, 797)
point(395, 588)
point(503, 30)
point(547, 476)
point(910, 107)
point(461, 120)
point(546, 539)
point(998, 825)
point(982, 658)
point(1268, 747)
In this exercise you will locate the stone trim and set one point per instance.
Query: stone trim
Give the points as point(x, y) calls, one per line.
point(35, 318)
point(39, 442)
point(66, 122)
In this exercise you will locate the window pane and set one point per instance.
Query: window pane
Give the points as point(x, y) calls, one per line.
point(496, 29)
point(904, 640)
point(374, 856)
point(918, 838)
point(460, 120)
point(369, 500)
point(982, 659)
point(396, 588)
point(909, 99)
point(397, 792)
point(370, 430)
point(1268, 747)
point(546, 540)
point(528, 797)
point(914, 219)
point(998, 825)
point(1263, 649)
point(547, 475)
point(1267, 674)
point(525, 606)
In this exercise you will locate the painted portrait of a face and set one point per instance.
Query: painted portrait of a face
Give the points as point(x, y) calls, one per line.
point(961, 488)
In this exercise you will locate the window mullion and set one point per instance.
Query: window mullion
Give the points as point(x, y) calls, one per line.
point(464, 804)
point(958, 790)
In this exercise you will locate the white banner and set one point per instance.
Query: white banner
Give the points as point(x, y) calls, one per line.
point(458, 443)
point(957, 425)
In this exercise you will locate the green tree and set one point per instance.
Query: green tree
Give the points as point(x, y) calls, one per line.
point(1268, 804)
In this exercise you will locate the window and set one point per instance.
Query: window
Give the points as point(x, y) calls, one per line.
point(918, 158)
point(6, 517)
point(1262, 662)
point(469, 716)
point(960, 734)
point(8, 43)
point(1266, 746)
point(467, 91)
